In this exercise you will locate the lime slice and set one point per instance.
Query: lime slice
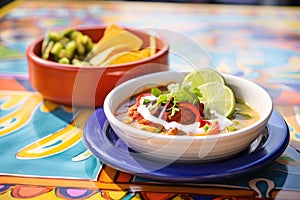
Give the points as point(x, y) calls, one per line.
point(202, 76)
point(219, 97)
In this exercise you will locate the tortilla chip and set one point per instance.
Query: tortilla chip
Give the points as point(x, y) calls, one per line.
point(110, 31)
point(144, 52)
point(113, 36)
point(126, 58)
point(106, 54)
point(118, 46)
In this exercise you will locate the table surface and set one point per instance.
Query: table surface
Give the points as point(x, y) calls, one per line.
point(259, 43)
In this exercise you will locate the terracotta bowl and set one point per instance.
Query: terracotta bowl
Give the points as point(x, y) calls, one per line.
point(88, 86)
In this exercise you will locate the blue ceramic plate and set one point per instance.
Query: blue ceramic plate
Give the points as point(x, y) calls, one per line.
point(105, 144)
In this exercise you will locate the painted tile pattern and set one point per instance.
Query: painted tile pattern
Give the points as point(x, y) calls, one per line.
point(42, 152)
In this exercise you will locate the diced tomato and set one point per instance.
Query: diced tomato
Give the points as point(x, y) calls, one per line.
point(203, 122)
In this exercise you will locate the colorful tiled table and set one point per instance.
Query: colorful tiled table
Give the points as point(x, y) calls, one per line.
point(42, 153)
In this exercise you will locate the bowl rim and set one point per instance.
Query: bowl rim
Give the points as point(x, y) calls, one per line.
point(114, 120)
point(51, 64)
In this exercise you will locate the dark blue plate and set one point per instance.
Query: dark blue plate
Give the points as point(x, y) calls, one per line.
point(105, 144)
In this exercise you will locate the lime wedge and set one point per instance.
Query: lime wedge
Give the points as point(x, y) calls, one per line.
point(219, 97)
point(202, 76)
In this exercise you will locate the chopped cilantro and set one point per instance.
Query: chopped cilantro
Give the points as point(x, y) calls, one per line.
point(175, 94)
point(146, 101)
point(156, 91)
point(185, 94)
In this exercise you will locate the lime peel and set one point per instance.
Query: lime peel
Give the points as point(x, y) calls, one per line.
point(202, 76)
point(216, 95)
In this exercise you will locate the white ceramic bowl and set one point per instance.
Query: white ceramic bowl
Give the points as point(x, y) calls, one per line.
point(188, 148)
